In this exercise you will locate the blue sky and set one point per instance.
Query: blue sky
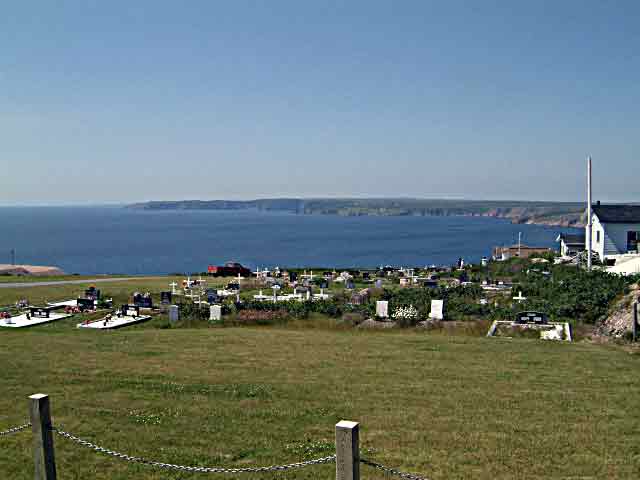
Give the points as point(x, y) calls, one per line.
point(126, 101)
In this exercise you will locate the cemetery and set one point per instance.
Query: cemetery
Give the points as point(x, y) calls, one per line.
point(434, 347)
point(427, 297)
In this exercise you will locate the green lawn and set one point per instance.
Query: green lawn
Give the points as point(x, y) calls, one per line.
point(444, 406)
point(51, 278)
point(118, 290)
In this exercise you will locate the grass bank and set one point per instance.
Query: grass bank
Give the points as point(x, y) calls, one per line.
point(445, 406)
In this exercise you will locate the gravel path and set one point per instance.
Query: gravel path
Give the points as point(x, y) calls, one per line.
point(70, 282)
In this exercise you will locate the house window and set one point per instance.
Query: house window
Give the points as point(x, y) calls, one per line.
point(598, 236)
point(632, 241)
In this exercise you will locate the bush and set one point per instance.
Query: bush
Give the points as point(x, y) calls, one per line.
point(260, 317)
point(332, 307)
point(352, 319)
point(573, 293)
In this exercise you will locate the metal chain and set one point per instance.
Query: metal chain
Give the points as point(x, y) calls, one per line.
point(15, 429)
point(392, 471)
point(186, 468)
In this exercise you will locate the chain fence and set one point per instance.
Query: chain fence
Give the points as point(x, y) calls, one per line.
point(17, 429)
point(391, 471)
point(187, 468)
point(223, 470)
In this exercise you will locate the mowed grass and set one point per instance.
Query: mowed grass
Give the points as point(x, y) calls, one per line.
point(444, 406)
point(52, 278)
point(119, 290)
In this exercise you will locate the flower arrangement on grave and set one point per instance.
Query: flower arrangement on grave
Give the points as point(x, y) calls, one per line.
point(405, 313)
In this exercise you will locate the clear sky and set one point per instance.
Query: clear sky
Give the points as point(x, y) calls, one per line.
point(118, 101)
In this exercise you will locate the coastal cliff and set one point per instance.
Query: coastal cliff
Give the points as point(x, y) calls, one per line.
point(539, 213)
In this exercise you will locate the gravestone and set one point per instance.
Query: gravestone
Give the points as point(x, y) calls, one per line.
point(165, 298)
point(142, 300)
point(378, 283)
point(40, 312)
point(437, 310)
point(91, 293)
point(131, 311)
point(215, 313)
point(212, 295)
point(174, 313)
point(382, 309)
point(85, 303)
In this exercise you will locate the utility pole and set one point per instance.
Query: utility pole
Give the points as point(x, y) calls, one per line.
point(520, 244)
point(589, 215)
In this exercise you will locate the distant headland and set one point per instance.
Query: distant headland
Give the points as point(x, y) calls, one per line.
point(564, 214)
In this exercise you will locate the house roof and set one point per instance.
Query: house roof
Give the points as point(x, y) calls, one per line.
point(572, 238)
point(617, 213)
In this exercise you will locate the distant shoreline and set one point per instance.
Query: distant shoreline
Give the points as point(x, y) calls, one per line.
point(560, 214)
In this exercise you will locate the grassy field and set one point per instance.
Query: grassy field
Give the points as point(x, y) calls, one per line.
point(51, 278)
point(444, 406)
point(118, 290)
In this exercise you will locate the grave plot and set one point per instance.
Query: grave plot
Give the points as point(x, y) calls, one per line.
point(64, 303)
point(126, 316)
point(532, 325)
point(34, 316)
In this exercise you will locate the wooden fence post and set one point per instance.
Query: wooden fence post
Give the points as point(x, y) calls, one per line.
point(634, 322)
point(347, 451)
point(43, 456)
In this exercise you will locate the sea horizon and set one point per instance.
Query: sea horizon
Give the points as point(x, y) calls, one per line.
point(108, 240)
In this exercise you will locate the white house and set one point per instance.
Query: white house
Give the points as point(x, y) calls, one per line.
point(615, 230)
point(571, 244)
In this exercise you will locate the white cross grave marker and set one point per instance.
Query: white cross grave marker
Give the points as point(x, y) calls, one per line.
point(520, 298)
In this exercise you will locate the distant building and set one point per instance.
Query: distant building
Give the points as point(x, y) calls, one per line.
point(521, 251)
point(571, 243)
point(229, 269)
point(615, 230)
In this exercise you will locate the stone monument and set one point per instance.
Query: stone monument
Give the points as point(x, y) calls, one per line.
point(215, 313)
point(437, 310)
point(382, 309)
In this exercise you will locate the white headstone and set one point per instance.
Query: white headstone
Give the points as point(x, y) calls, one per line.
point(215, 313)
point(174, 313)
point(382, 309)
point(437, 310)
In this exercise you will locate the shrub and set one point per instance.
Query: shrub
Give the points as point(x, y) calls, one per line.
point(260, 317)
point(352, 319)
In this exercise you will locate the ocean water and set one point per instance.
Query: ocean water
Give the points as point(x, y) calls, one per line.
point(91, 240)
